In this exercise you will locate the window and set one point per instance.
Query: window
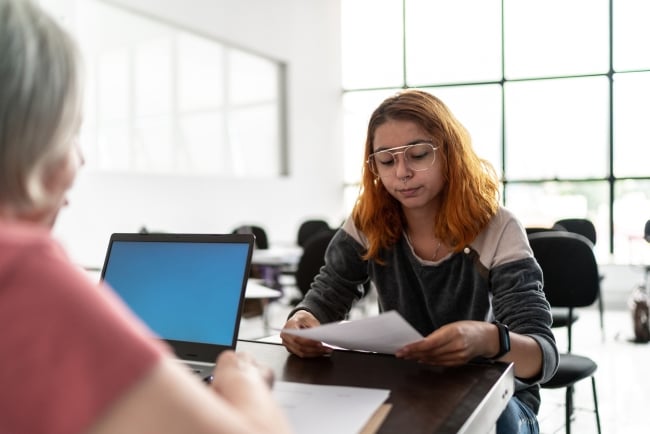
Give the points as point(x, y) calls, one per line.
point(566, 131)
point(164, 100)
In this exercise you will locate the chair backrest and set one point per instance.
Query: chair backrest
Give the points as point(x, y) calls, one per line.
point(571, 277)
point(308, 228)
point(261, 241)
point(312, 259)
point(583, 227)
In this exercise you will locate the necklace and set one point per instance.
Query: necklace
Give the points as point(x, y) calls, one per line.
point(435, 253)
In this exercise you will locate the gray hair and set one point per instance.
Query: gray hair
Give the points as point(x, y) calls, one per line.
point(40, 101)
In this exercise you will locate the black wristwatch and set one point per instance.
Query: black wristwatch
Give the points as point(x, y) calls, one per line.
point(504, 340)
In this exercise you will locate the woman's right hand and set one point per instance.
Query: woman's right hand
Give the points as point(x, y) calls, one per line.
point(303, 347)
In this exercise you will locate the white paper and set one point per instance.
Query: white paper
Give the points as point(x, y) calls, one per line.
point(385, 333)
point(319, 409)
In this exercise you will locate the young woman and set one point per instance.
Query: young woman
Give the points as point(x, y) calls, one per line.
point(428, 231)
point(73, 358)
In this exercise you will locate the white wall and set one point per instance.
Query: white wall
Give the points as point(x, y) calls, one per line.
point(305, 35)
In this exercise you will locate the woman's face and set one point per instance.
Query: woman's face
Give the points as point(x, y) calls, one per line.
point(414, 189)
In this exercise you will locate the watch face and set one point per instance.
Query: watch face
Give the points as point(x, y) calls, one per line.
point(504, 339)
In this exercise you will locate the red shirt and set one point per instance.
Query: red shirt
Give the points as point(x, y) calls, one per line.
point(69, 348)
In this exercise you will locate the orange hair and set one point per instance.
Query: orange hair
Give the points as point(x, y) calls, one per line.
point(470, 197)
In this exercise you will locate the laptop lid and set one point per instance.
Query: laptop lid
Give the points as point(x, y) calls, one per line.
point(188, 288)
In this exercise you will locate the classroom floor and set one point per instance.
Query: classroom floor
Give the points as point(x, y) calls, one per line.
point(622, 379)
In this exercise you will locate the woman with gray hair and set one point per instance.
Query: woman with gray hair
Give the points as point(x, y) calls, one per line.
point(75, 359)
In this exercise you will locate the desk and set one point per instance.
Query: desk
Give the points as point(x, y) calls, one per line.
point(257, 300)
point(424, 398)
point(255, 289)
point(270, 264)
point(283, 256)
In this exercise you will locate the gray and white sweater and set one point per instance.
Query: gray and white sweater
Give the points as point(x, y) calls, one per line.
point(495, 277)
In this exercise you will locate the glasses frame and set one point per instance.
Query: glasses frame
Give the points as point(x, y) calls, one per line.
point(400, 150)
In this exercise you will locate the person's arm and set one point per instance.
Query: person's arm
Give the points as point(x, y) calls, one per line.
point(519, 302)
point(169, 400)
point(525, 353)
point(336, 287)
point(331, 296)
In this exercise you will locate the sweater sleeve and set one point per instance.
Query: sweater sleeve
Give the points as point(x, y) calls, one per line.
point(338, 284)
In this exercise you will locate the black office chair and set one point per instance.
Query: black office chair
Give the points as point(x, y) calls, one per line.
point(308, 228)
point(312, 259)
point(571, 280)
point(583, 227)
point(562, 317)
point(587, 229)
point(261, 240)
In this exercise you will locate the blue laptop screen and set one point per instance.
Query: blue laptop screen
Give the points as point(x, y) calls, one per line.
point(184, 291)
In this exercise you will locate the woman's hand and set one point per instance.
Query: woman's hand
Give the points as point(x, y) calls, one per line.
point(454, 344)
point(303, 347)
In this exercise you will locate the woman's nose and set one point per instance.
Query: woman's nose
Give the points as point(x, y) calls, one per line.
point(401, 166)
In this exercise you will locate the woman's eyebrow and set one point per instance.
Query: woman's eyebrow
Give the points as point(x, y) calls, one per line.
point(413, 142)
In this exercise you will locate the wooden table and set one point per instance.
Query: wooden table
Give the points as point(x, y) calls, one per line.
point(424, 398)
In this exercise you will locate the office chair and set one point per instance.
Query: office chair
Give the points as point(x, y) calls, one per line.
point(309, 228)
point(261, 240)
point(587, 229)
point(312, 259)
point(583, 227)
point(562, 317)
point(571, 280)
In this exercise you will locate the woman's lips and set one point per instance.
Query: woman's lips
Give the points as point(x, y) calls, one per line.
point(409, 192)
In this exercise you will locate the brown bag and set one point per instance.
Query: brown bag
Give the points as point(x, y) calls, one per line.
point(640, 306)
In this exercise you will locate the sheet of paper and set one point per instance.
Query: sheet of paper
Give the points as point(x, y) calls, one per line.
point(385, 333)
point(319, 409)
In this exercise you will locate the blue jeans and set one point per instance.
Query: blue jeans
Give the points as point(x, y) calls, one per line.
point(517, 418)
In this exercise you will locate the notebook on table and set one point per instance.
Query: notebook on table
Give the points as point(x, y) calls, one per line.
point(188, 288)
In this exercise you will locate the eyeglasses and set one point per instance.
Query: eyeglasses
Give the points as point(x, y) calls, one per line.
point(417, 157)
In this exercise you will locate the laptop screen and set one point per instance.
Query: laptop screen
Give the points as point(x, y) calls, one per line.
point(189, 289)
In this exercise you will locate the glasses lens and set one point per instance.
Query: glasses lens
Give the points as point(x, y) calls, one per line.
point(420, 156)
point(381, 163)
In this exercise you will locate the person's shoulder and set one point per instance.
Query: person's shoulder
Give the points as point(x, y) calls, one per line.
point(30, 253)
point(503, 239)
point(503, 222)
point(17, 240)
point(351, 229)
point(504, 217)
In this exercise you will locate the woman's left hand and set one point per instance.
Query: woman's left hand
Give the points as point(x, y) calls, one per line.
point(452, 344)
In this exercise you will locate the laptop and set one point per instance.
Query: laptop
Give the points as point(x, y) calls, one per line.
point(188, 288)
